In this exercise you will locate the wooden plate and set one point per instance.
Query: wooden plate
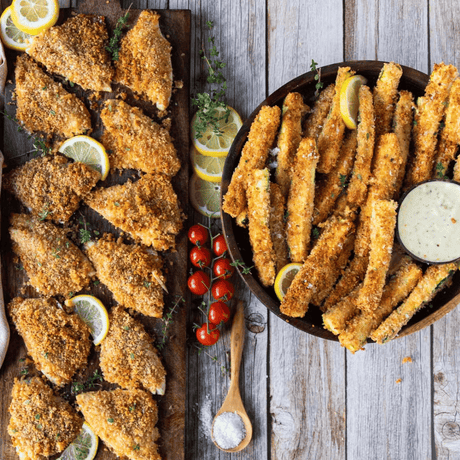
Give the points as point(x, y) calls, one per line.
point(238, 239)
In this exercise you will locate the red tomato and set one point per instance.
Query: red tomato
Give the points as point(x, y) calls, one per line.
point(200, 257)
point(218, 313)
point(199, 283)
point(223, 268)
point(222, 290)
point(208, 334)
point(197, 234)
point(219, 246)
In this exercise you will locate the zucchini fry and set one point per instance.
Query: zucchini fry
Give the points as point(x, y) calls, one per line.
point(320, 261)
point(336, 318)
point(314, 123)
point(331, 136)
point(425, 290)
point(289, 138)
point(301, 199)
point(254, 155)
point(277, 226)
point(258, 193)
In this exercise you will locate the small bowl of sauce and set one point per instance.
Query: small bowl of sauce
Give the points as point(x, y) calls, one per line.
point(428, 223)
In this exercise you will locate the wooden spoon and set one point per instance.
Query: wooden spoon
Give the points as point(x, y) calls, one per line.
point(233, 402)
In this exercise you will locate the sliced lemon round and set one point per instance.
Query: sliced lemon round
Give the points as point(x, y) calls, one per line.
point(284, 279)
point(89, 151)
point(91, 310)
point(12, 37)
point(84, 447)
point(34, 16)
point(349, 100)
point(205, 196)
point(218, 144)
point(206, 167)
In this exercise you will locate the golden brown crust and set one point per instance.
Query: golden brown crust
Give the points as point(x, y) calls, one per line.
point(314, 123)
point(277, 226)
point(336, 318)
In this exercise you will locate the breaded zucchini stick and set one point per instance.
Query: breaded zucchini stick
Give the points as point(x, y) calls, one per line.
point(357, 188)
point(336, 318)
point(398, 288)
point(331, 136)
point(258, 193)
point(425, 290)
point(301, 200)
point(385, 93)
point(430, 111)
point(254, 155)
point(336, 180)
point(277, 226)
point(314, 123)
point(321, 259)
point(289, 138)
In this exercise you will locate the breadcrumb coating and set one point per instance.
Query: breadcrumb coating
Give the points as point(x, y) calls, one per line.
point(59, 343)
point(44, 105)
point(136, 141)
point(336, 318)
point(41, 423)
point(125, 420)
point(76, 50)
point(277, 226)
point(51, 187)
point(128, 357)
point(147, 209)
point(131, 272)
point(54, 265)
point(315, 121)
point(144, 63)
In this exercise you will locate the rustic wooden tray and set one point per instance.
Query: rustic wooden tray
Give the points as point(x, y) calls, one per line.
point(175, 25)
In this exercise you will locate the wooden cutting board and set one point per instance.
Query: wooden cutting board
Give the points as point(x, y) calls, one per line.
point(175, 25)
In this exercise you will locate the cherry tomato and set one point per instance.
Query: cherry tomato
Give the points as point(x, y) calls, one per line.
point(223, 269)
point(222, 289)
point(219, 246)
point(197, 234)
point(208, 334)
point(200, 257)
point(199, 283)
point(218, 313)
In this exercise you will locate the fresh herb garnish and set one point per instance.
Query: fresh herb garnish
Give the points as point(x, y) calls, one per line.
point(167, 321)
point(85, 235)
point(319, 84)
point(343, 180)
point(245, 270)
point(113, 47)
point(44, 213)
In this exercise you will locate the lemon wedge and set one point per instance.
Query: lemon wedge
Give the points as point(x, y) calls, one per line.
point(217, 144)
point(207, 167)
point(89, 151)
point(284, 279)
point(91, 310)
point(84, 447)
point(12, 37)
point(349, 100)
point(205, 196)
point(34, 16)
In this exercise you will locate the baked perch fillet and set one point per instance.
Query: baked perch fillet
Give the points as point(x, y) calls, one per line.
point(128, 357)
point(58, 343)
point(76, 50)
point(131, 272)
point(125, 420)
point(41, 423)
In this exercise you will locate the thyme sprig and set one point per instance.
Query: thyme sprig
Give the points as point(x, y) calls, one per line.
point(319, 84)
point(167, 321)
point(224, 369)
point(92, 382)
point(113, 47)
point(245, 270)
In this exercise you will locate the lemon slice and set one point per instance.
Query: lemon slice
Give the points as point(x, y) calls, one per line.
point(284, 278)
point(213, 144)
point(205, 196)
point(84, 447)
point(88, 151)
point(12, 37)
point(206, 167)
point(349, 101)
point(34, 16)
point(91, 310)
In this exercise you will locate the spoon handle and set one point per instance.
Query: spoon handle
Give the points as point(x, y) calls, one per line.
point(237, 342)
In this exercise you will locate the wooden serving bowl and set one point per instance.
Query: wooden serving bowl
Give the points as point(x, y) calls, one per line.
point(238, 238)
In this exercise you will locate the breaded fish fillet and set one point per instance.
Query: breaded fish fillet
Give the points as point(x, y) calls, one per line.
point(144, 63)
point(76, 50)
point(41, 423)
point(136, 141)
point(128, 357)
point(131, 272)
point(147, 209)
point(125, 420)
point(44, 105)
point(52, 262)
point(59, 343)
point(51, 187)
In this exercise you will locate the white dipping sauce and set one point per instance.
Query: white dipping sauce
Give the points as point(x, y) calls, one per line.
point(429, 221)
